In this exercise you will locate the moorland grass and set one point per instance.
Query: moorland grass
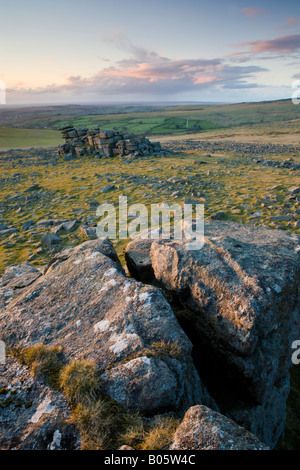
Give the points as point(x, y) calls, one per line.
point(11, 138)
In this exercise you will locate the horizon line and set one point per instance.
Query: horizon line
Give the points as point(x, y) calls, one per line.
point(135, 103)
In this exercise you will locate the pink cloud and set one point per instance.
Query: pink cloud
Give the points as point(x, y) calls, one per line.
point(282, 44)
point(292, 21)
point(149, 73)
point(289, 22)
point(252, 12)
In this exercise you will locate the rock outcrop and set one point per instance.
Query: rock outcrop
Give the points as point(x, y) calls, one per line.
point(205, 429)
point(238, 299)
point(104, 143)
point(32, 415)
point(229, 349)
point(84, 303)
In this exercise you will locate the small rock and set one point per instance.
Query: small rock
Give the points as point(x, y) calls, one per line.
point(9, 231)
point(27, 225)
point(50, 239)
point(294, 190)
point(107, 188)
point(89, 232)
point(35, 187)
point(218, 216)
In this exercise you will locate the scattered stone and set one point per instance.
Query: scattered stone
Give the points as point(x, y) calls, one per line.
point(281, 218)
point(28, 225)
point(294, 190)
point(8, 231)
point(107, 188)
point(50, 239)
point(70, 225)
point(58, 229)
point(94, 205)
point(89, 232)
point(65, 227)
point(51, 222)
point(190, 201)
point(35, 187)
point(218, 216)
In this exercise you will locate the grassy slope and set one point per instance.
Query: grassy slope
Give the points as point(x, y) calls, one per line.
point(21, 138)
point(157, 120)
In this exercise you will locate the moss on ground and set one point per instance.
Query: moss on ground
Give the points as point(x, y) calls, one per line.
point(44, 361)
point(227, 183)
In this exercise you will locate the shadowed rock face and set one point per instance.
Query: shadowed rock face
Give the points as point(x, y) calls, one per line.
point(240, 295)
point(204, 429)
point(85, 303)
point(32, 415)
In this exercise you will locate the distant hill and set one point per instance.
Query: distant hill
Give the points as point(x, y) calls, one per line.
point(147, 119)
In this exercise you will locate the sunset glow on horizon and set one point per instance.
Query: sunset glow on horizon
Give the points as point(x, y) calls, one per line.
point(133, 51)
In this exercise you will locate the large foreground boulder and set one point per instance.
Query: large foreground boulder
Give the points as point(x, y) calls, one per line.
point(240, 295)
point(32, 415)
point(16, 277)
point(205, 429)
point(84, 303)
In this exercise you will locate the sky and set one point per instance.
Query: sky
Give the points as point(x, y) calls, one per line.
point(121, 51)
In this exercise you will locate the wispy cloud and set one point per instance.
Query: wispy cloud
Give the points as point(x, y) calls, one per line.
point(289, 23)
point(147, 73)
point(292, 21)
point(286, 46)
point(252, 12)
point(282, 44)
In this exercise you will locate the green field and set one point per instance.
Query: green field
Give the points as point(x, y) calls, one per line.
point(41, 122)
point(21, 138)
